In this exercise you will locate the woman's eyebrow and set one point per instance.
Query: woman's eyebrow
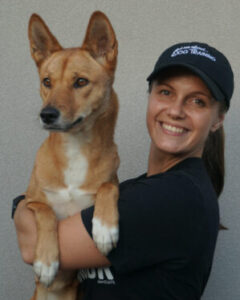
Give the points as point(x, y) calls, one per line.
point(206, 94)
point(163, 83)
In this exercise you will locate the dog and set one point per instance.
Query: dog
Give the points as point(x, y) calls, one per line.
point(76, 166)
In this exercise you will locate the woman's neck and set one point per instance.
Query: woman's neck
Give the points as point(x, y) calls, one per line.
point(160, 162)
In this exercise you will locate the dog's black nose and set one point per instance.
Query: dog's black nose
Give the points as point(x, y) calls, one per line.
point(49, 115)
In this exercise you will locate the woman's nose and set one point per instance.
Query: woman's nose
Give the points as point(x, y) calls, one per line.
point(176, 109)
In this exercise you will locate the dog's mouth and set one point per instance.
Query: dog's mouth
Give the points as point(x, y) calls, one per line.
point(62, 126)
point(76, 122)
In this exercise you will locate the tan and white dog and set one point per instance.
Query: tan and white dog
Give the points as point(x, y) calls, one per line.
point(76, 165)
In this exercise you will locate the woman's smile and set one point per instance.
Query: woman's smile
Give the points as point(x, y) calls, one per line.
point(173, 130)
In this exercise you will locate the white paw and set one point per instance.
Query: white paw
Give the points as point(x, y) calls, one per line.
point(104, 237)
point(46, 274)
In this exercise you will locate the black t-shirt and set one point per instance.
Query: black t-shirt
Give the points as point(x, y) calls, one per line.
point(168, 230)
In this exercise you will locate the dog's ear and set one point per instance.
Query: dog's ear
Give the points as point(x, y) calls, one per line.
point(100, 40)
point(42, 41)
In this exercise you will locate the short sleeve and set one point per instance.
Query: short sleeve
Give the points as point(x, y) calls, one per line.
point(160, 219)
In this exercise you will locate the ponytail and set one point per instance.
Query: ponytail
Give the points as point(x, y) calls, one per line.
point(213, 157)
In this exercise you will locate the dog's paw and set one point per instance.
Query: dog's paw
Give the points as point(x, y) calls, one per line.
point(105, 237)
point(46, 274)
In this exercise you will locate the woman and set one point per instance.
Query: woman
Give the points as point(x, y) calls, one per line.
point(169, 217)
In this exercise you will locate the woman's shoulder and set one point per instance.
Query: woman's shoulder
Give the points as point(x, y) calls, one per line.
point(191, 169)
point(187, 182)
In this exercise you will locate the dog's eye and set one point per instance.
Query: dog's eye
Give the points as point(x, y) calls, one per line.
point(46, 81)
point(80, 82)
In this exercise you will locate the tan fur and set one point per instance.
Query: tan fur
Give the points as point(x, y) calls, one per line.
point(77, 158)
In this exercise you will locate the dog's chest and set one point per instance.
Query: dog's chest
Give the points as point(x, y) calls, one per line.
point(71, 199)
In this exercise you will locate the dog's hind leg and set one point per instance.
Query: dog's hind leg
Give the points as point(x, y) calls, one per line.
point(34, 295)
point(60, 290)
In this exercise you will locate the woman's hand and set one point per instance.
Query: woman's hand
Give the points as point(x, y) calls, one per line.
point(26, 230)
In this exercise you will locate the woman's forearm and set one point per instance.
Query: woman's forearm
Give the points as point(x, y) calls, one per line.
point(77, 249)
point(26, 230)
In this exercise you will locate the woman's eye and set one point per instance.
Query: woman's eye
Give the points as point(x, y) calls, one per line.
point(165, 92)
point(46, 82)
point(199, 102)
point(81, 82)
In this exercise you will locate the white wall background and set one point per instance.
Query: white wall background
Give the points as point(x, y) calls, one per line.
point(144, 29)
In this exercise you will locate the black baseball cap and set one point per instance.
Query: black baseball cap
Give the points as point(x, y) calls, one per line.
point(203, 60)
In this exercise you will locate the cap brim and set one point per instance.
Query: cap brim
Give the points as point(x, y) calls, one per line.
point(214, 89)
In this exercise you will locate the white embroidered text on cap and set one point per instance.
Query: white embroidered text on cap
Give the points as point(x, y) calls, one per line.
point(193, 50)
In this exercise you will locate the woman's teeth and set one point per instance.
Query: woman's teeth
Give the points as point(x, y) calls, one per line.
point(172, 128)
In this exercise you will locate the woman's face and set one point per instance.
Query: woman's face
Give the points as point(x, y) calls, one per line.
point(181, 113)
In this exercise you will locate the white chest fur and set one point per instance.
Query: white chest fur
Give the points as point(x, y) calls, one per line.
point(68, 201)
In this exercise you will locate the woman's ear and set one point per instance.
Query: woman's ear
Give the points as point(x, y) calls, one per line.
point(218, 123)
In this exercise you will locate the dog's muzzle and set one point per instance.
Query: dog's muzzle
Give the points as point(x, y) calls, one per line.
point(51, 119)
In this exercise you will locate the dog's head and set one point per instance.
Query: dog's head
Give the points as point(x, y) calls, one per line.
point(76, 83)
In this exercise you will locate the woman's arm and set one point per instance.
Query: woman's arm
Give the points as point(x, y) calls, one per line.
point(77, 249)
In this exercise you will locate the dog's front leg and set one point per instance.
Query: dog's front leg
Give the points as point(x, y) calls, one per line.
point(105, 220)
point(46, 261)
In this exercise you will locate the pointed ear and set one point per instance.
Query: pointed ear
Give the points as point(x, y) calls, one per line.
point(100, 40)
point(219, 123)
point(42, 41)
